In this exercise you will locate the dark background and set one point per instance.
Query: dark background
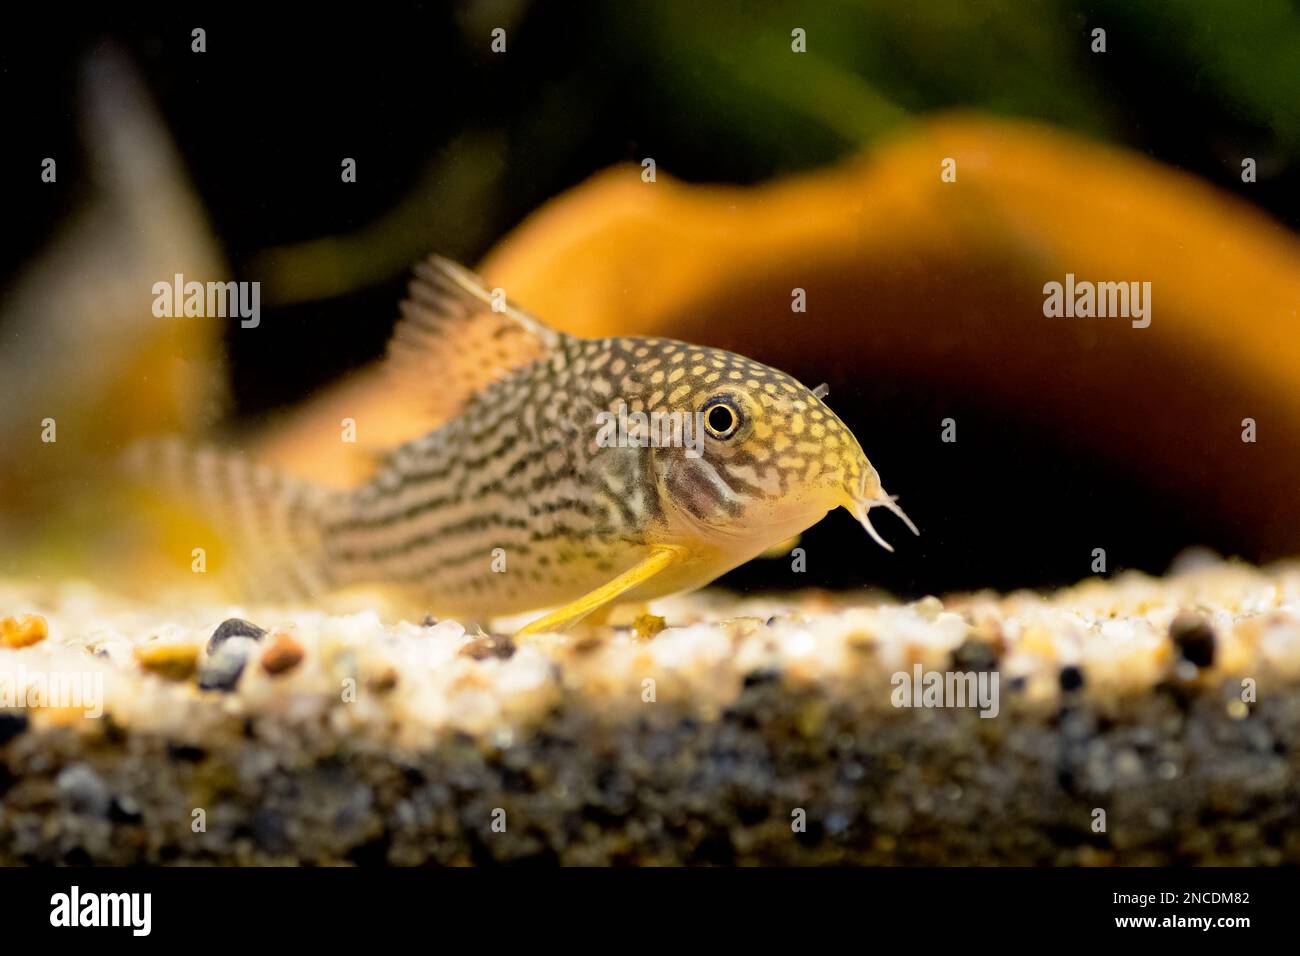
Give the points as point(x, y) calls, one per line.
point(264, 116)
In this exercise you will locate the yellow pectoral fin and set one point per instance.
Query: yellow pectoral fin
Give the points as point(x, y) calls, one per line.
point(569, 615)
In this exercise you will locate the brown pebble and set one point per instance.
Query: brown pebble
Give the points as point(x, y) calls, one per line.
point(489, 645)
point(23, 631)
point(282, 654)
point(172, 661)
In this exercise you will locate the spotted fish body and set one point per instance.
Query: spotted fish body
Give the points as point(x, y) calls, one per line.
point(519, 501)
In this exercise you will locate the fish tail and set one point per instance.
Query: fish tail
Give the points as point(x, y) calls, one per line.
point(272, 522)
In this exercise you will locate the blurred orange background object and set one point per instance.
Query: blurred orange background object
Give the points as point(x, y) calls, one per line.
point(939, 285)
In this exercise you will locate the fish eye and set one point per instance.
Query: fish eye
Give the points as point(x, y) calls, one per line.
point(722, 417)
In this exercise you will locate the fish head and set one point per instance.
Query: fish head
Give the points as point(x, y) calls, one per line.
point(763, 457)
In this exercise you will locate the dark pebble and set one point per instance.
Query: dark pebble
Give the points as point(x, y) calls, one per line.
point(1071, 678)
point(125, 810)
point(226, 679)
point(234, 627)
point(767, 675)
point(270, 830)
point(743, 718)
point(11, 725)
point(1194, 638)
point(973, 655)
point(516, 780)
point(222, 670)
point(186, 752)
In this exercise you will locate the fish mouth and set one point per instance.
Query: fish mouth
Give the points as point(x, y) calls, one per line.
point(862, 505)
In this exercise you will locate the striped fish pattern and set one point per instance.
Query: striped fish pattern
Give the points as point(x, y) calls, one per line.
point(527, 496)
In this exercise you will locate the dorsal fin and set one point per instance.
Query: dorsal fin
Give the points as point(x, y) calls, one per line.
point(451, 343)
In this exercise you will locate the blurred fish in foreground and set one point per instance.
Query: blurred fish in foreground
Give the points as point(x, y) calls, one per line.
point(85, 361)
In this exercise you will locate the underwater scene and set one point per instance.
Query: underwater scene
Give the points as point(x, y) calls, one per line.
point(861, 434)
